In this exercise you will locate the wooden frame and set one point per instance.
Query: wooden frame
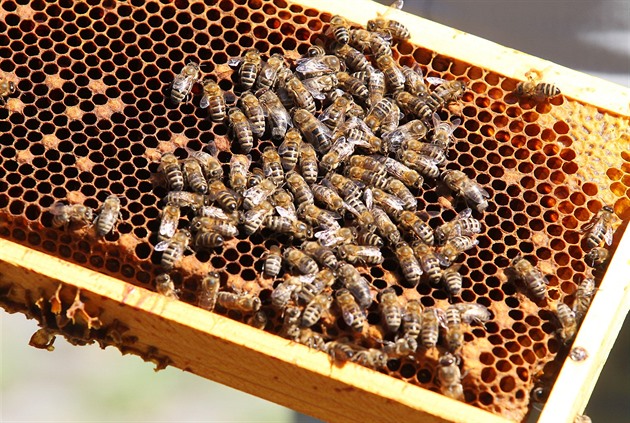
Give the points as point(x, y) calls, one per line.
point(176, 333)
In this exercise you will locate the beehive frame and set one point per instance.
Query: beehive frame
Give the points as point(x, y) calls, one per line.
point(357, 398)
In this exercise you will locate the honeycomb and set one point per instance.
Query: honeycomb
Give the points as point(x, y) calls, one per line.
point(91, 117)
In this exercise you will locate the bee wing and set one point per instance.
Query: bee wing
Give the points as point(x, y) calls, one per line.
point(313, 86)
point(350, 209)
point(205, 101)
point(286, 213)
point(168, 228)
point(308, 65)
point(235, 61)
point(608, 236)
point(57, 208)
point(444, 262)
point(464, 214)
point(455, 123)
point(161, 246)
point(435, 81)
point(368, 197)
point(348, 317)
point(283, 147)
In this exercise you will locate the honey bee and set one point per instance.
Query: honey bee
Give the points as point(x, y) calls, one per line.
point(354, 59)
point(258, 320)
point(183, 83)
point(568, 322)
point(445, 92)
point(300, 261)
point(169, 167)
point(308, 163)
point(291, 323)
point(193, 175)
point(534, 87)
point(340, 151)
point(363, 137)
point(583, 297)
point(242, 129)
point(255, 177)
point(272, 167)
point(454, 247)
point(428, 260)
point(213, 224)
point(412, 130)
point(454, 328)
point(255, 217)
point(281, 294)
point(443, 131)
point(300, 95)
point(316, 216)
point(452, 279)
point(300, 189)
point(411, 223)
point(394, 77)
point(185, 199)
point(63, 215)
point(257, 194)
point(168, 222)
point(249, 69)
point(289, 150)
point(427, 166)
point(328, 197)
point(413, 105)
point(288, 225)
point(339, 28)
point(391, 310)
point(315, 309)
point(350, 310)
point(212, 168)
point(346, 187)
point(463, 224)
point(406, 175)
point(244, 302)
point(254, 111)
point(315, 51)
point(409, 265)
point(391, 122)
point(208, 239)
point(352, 85)
point(385, 227)
point(473, 313)
point(376, 86)
point(218, 213)
point(600, 228)
point(336, 237)
point(335, 114)
point(466, 188)
point(43, 338)
point(412, 320)
point(366, 237)
point(368, 163)
point(213, 98)
point(531, 276)
point(7, 88)
point(355, 283)
point(403, 347)
point(314, 131)
point(323, 255)
point(365, 254)
point(360, 39)
point(313, 285)
point(210, 285)
point(414, 81)
point(320, 86)
point(430, 151)
point(450, 377)
point(597, 256)
point(401, 191)
point(430, 330)
point(372, 358)
point(393, 28)
point(273, 261)
point(313, 67)
point(339, 351)
point(109, 214)
point(361, 212)
point(174, 248)
point(268, 75)
point(224, 197)
point(165, 286)
point(378, 113)
point(239, 172)
point(311, 339)
point(283, 201)
point(278, 119)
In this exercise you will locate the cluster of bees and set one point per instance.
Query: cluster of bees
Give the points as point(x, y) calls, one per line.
point(354, 139)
